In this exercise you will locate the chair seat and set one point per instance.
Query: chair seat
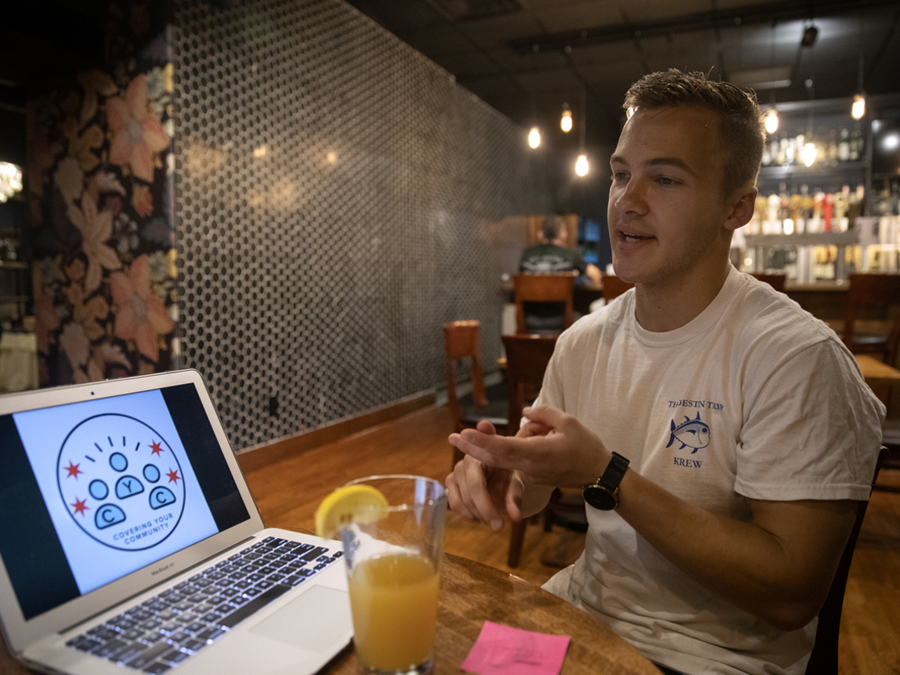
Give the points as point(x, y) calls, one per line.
point(494, 412)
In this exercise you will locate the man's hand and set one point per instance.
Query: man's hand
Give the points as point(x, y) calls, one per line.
point(552, 449)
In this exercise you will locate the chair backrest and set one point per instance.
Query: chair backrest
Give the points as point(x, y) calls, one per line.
point(776, 281)
point(873, 298)
point(527, 357)
point(460, 342)
point(824, 658)
point(543, 288)
point(613, 287)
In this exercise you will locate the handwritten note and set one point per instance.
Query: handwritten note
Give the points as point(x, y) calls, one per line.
point(501, 650)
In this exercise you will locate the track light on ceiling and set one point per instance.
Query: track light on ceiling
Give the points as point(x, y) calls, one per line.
point(809, 36)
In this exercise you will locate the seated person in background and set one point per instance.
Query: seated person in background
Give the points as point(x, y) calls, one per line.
point(723, 436)
point(552, 256)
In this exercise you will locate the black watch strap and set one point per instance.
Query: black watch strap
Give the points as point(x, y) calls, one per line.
point(603, 493)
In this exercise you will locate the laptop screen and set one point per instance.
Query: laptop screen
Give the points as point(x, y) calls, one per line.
point(94, 490)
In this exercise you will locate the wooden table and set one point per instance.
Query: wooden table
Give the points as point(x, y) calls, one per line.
point(472, 593)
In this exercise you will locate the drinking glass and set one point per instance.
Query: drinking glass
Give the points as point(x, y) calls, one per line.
point(393, 558)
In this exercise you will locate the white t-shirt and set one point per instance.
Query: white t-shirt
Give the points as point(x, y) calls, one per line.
point(753, 398)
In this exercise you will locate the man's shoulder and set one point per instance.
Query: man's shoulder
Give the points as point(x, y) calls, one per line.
point(766, 317)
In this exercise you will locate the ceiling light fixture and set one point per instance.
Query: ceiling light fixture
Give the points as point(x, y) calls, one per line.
point(858, 109)
point(565, 122)
point(581, 164)
point(809, 36)
point(771, 121)
point(534, 137)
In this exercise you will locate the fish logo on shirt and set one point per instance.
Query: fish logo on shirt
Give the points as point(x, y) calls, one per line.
point(692, 433)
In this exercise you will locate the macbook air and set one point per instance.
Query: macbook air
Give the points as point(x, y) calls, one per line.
point(129, 541)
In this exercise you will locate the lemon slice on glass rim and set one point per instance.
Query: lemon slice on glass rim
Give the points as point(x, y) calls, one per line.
point(362, 503)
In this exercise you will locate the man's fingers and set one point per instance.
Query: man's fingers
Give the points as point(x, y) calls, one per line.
point(547, 415)
point(469, 493)
point(514, 500)
point(486, 427)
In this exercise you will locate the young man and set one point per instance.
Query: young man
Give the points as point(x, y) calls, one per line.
point(742, 429)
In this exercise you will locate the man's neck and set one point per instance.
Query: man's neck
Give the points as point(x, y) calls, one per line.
point(660, 308)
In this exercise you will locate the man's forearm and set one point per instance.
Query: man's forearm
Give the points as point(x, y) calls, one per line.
point(778, 567)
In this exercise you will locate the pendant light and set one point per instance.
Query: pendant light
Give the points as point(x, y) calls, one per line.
point(534, 134)
point(771, 118)
point(581, 164)
point(858, 109)
point(565, 122)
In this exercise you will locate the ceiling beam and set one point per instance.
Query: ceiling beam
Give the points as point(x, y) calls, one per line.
point(788, 10)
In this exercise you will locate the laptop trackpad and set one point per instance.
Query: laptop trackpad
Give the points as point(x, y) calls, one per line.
point(315, 619)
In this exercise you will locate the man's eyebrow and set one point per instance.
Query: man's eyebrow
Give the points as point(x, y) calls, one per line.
point(658, 161)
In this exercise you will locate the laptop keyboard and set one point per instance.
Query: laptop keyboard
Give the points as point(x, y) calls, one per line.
point(168, 629)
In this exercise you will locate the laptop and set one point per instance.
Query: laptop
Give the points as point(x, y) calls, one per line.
point(129, 542)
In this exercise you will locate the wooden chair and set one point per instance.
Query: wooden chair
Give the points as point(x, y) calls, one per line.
point(890, 439)
point(527, 357)
point(873, 302)
point(613, 287)
point(461, 342)
point(776, 281)
point(824, 658)
point(557, 288)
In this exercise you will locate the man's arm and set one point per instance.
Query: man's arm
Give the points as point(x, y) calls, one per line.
point(778, 567)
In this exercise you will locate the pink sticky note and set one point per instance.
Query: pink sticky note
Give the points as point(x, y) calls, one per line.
point(501, 650)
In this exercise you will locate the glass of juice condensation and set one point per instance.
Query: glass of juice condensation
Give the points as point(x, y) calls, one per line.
point(393, 560)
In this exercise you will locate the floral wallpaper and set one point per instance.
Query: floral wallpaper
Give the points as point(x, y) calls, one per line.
point(101, 196)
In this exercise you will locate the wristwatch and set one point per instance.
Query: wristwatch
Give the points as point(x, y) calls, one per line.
point(603, 493)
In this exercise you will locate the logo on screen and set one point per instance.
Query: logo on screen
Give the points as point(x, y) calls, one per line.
point(120, 482)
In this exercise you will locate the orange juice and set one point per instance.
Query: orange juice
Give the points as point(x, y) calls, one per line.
point(394, 603)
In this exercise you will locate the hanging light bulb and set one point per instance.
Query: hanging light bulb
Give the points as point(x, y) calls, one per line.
point(565, 122)
point(534, 137)
point(808, 154)
point(771, 121)
point(581, 165)
point(859, 107)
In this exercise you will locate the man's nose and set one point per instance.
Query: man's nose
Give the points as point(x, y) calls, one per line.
point(631, 197)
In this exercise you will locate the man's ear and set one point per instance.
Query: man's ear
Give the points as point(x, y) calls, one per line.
point(742, 208)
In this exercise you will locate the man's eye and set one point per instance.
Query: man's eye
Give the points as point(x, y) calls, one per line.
point(662, 180)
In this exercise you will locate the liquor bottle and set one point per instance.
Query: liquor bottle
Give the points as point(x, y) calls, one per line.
point(832, 148)
point(844, 146)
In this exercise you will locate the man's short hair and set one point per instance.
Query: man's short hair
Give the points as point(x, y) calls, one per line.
point(551, 227)
point(741, 129)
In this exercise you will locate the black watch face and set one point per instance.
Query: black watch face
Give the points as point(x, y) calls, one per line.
point(599, 498)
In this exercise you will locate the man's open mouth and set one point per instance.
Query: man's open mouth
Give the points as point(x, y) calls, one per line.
point(633, 237)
